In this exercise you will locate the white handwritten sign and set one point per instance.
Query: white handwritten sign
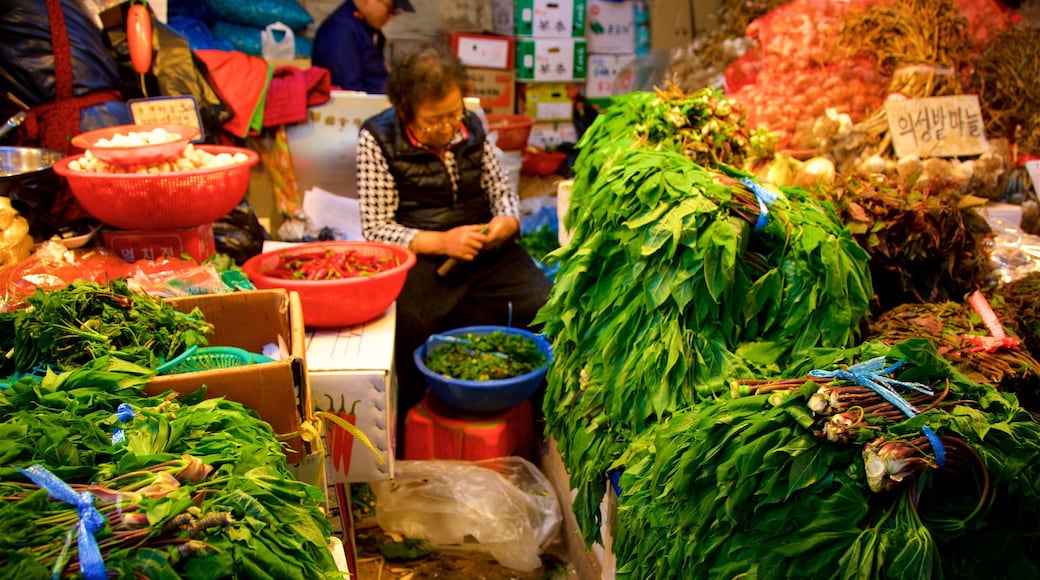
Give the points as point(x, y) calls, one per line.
point(937, 126)
point(172, 110)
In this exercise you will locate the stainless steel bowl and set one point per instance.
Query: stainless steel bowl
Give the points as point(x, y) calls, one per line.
point(17, 161)
point(27, 178)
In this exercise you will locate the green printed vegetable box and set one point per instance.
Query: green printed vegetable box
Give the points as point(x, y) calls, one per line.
point(350, 371)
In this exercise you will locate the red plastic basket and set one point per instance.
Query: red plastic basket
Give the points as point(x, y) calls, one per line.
point(343, 301)
point(161, 201)
point(513, 130)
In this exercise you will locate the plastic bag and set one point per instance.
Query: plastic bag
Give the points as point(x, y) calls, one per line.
point(274, 49)
point(504, 507)
point(240, 234)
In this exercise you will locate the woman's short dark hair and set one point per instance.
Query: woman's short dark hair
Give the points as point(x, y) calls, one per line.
point(429, 72)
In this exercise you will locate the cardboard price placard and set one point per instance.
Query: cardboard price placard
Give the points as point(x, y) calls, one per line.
point(937, 126)
point(172, 110)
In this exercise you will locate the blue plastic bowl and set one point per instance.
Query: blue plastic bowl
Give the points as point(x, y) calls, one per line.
point(486, 396)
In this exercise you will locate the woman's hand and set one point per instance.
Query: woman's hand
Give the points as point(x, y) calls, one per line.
point(464, 242)
point(500, 229)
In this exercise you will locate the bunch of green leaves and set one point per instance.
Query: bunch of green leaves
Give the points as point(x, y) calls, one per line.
point(740, 486)
point(925, 241)
point(666, 291)
point(273, 526)
point(63, 329)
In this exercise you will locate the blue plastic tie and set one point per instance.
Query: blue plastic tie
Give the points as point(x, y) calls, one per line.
point(872, 374)
point(91, 565)
point(937, 446)
point(765, 197)
point(125, 413)
point(615, 481)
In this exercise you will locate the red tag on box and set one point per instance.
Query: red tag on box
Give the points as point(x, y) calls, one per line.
point(132, 245)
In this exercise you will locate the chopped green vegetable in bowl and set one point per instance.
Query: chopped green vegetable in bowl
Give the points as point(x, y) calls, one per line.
point(479, 360)
point(453, 362)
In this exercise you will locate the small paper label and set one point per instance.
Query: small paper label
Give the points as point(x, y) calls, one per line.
point(937, 126)
point(173, 110)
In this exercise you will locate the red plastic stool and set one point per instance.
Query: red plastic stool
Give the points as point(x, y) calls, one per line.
point(433, 430)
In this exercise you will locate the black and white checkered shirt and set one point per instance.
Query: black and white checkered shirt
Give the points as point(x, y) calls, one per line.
point(378, 196)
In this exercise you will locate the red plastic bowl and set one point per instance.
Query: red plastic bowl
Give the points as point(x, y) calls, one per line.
point(161, 201)
point(513, 130)
point(341, 302)
point(130, 155)
point(538, 162)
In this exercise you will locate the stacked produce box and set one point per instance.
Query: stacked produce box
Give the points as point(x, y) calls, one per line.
point(613, 44)
point(551, 61)
point(489, 62)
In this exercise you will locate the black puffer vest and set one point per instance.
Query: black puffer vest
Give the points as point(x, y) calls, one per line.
point(426, 199)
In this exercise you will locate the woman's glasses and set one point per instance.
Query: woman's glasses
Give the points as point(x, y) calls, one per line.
point(449, 122)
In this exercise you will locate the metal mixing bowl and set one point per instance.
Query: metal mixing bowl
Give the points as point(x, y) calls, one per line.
point(19, 161)
point(26, 177)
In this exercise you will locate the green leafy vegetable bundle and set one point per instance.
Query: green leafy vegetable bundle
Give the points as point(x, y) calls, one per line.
point(672, 284)
point(748, 486)
point(185, 489)
point(66, 328)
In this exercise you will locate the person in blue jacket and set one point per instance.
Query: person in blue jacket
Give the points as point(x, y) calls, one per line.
point(349, 43)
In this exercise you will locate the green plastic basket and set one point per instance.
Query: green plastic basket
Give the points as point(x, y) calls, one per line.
point(209, 358)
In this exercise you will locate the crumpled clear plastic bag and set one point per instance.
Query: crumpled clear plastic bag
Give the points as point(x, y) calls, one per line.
point(504, 507)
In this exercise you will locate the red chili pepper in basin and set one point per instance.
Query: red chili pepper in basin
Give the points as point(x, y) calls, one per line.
point(330, 265)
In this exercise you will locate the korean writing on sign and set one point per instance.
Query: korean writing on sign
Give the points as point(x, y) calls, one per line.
point(173, 110)
point(937, 126)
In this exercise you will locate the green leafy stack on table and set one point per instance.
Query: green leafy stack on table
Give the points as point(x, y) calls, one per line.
point(682, 273)
point(186, 488)
point(64, 329)
point(749, 485)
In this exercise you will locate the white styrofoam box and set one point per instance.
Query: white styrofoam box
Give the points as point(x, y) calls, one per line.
point(551, 59)
point(353, 367)
point(611, 26)
point(324, 148)
point(540, 18)
point(602, 74)
point(552, 134)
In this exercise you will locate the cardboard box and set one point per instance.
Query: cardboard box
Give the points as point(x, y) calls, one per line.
point(483, 50)
point(602, 74)
point(546, 101)
point(611, 26)
point(540, 18)
point(552, 134)
point(671, 23)
point(132, 245)
point(496, 89)
point(550, 59)
point(250, 320)
point(354, 366)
